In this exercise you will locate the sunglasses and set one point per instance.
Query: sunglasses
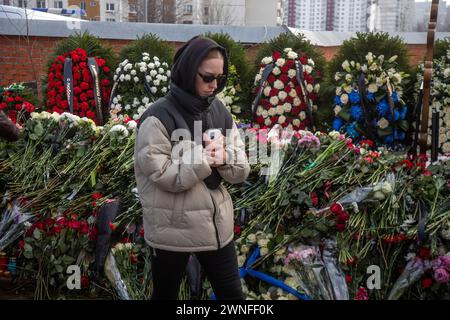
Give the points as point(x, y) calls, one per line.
point(209, 79)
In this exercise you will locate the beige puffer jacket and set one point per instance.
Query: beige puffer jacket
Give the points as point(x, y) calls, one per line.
point(180, 213)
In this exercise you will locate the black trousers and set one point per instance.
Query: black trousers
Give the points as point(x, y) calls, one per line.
point(220, 266)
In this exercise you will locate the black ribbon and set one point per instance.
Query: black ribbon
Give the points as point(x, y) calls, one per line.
point(68, 82)
point(113, 91)
point(365, 105)
point(421, 227)
point(301, 82)
point(267, 71)
point(434, 135)
point(95, 73)
point(416, 115)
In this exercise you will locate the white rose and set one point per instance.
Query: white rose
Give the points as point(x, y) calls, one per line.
point(292, 93)
point(122, 77)
point(156, 83)
point(264, 251)
point(118, 70)
point(311, 62)
point(317, 88)
point(282, 95)
point(302, 115)
point(280, 62)
point(369, 57)
point(309, 87)
point(136, 79)
point(292, 73)
point(373, 67)
point(153, 73)
point(274, 101)
point(296, 122)
point(297, 102)
point(292, 55)
point(280, 109)
point(168, 73)
point(344, 98)
point(148, 78)
point(446, 147)
point(348, 78)
point(157, 64)
point(257, 78)
point(133, 72)
point(337, 76)
point(276, 71)
point(127, 107)
point(267, 91)
point(348, 89)
point(278, 85)
point(267, 122)
point(264, 113)
point(271, 112)
point(447, 73)
point(338, 91)
point(145, 100)
point(346, 66)
point(287, 108)
point(153, 90)
point(308, 69)
point(267, 60)
point(287, 50)
point(161, 70)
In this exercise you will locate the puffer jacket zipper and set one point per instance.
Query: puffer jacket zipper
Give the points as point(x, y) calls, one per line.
point(214, 220)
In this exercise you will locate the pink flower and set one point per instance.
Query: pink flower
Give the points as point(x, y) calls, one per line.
point(362, 294)
point(441, 275)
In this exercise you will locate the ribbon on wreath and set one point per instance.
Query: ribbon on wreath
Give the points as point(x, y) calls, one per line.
point(68, 82)
point(247, 270)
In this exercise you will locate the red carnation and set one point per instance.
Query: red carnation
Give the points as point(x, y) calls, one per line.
point(84, 86)
point(85, 282)
point(424, 253)
point(106, 70)
point(274, 92)
point(83, 65)
point(284, 78)
point(314, 199)
point(343, 217)
point(112, 226)
point(133, 258)
point(9, 100)
point(90, 114)
point(237, 230)
point(304, 60)
point(142, 232)
point(260, 120)
point(348, 279)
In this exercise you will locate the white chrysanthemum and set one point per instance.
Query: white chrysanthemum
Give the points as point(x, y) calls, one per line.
point(281, 119)
point(267, 91)
point(160, 70)
point(292, 55)
point(274, 101)
point(271, 112)
point(118, 70)
point(344, 98)
point(115, 100)
point(157, 64)
point(276, 71)
point(127, 107)
point(148, 78)
point(280, 62)
point(143, 69)
point(383, 123)
point(136, 79)
point(153, 90)
point(128, 66)
point(282, 95)
point(133, 72)
point(145, 100)
point(115, 77)
point(168, 73)
point(156, 83)
point(278, 85)
point(446, 147)
point(122, 77)
point(164, 89)
point(267, 122)
point(121, 129)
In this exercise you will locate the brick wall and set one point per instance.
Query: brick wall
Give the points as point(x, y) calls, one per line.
point(25, 60)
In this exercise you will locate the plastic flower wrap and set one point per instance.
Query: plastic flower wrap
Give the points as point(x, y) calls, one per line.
point(283, 100)
point(305, 264)
point(440, 98)
point(388, 122)
point(139, 84)
point(13, 224)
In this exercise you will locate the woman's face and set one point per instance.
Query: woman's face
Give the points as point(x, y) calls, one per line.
point(210, 67)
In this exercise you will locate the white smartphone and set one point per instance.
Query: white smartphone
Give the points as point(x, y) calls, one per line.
point(213, 133)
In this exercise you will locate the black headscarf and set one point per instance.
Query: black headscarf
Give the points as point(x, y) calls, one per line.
point(193, 107)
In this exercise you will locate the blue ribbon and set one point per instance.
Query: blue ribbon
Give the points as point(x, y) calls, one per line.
point(247, 270)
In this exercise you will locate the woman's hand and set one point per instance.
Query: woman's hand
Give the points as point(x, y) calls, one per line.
point(216, 154)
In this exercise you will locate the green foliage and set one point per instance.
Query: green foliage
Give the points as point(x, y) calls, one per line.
point(237, 57)
point(151, 44)
point(441, 47)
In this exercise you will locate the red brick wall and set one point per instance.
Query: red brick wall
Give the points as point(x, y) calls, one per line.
point(23, 60)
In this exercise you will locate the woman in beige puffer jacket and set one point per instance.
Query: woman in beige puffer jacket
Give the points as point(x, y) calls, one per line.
point(186, 207)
